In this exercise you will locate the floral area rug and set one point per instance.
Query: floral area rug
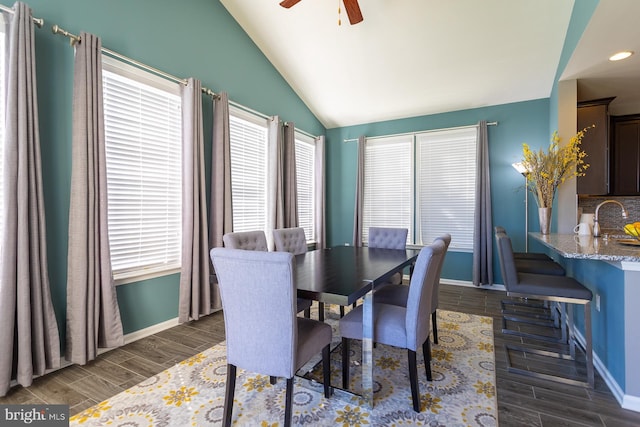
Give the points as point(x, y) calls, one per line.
point(191, 393)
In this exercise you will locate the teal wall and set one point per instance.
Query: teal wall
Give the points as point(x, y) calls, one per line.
point(197, 39)
point(517, 123)
point(580, 15)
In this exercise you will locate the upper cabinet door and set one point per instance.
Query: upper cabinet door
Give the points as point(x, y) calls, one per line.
point(625, 166)
point(596, 144)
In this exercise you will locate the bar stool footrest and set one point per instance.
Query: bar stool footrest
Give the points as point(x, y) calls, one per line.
point(546, 338)
point(542, 375)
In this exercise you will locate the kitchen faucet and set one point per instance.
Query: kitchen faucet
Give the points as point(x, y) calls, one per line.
point(596, 226)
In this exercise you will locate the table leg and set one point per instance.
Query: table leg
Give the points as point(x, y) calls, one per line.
point(367, 349)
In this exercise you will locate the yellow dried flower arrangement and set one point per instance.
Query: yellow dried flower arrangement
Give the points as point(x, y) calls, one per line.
point(547, 170)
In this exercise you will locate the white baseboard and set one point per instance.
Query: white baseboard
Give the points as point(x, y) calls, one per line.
point(631, 403)
point(129, 338)
point(626, 401)
point(153, 329)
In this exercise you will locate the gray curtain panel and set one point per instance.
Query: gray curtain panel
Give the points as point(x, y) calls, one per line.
point(221, 211)
point(482, 230)
point(29, 338)
point(290, 188)
point(93, 316)
point(195, 292)
point(221, 216)
point(358, 212)
point(319, 217)
point(275, 180)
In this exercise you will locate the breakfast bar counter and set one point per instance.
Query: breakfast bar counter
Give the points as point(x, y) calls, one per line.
point(610, 268)
point(615, 248)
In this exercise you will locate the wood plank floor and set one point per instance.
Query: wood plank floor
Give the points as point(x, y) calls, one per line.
point(522, 400)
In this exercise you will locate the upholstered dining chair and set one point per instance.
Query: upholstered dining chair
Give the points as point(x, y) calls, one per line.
point(389, 238)
point(247, 240)
point(268, 338)
point(290, 240)
point(405, 327)
point(398, 294)
point(257, 241)
point(294, 241)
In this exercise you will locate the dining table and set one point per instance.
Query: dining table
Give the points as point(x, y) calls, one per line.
point(343, 275)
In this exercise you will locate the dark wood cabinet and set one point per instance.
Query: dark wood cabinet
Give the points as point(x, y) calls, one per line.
point(625, 166)
point(596, 144)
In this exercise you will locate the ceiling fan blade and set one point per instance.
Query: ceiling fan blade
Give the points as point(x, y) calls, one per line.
point(353, 11)
point(288, 3)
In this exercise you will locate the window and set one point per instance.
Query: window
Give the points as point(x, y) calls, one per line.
point(434, 197)
point(305, 177)
point(251, 171)
point(446, 178)
point(388, 184)
point(143, 130)
point(248, 134)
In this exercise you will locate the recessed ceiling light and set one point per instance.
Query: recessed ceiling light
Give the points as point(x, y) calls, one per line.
point(620, 55)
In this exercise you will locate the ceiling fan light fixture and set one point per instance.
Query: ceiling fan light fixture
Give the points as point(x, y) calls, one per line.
point(618, 56)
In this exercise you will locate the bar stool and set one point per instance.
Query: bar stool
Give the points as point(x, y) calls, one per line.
point(524, 255)
point(535, 312)
point(547, 287)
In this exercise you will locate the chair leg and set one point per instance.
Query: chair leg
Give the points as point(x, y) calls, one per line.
point(273, 380)
point(321, 311)
point(434, 323)
point(326, 370)
point(341, 311)
point(345, 363)
point(413, 379)
point(426, 352)
point(588, 350)
point(288, 400)
point(307, 313)
point(228, 395)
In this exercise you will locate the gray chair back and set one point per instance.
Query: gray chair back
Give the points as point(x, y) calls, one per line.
point(247, 240)
point(446, 239)
point(259, 305)
point(507, 261)
point(388, 238)
point(424, 278)
point(290, 240)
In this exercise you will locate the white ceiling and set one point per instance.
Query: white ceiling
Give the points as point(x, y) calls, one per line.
point(417, 57)
point(613, 27)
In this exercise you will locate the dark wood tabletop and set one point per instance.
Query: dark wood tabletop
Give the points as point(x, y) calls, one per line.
point(343, 274)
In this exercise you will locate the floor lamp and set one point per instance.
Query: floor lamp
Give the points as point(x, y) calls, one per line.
point(523, 171)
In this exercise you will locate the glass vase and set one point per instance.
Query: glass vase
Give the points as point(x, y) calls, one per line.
point(544, 214)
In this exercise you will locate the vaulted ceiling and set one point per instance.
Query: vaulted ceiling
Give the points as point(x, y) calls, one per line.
point(414, 57)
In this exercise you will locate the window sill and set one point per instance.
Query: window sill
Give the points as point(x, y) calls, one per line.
point(138, 276)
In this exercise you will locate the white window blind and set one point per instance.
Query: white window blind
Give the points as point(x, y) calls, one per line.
point(446, 176)
point(305, 173)
point(143, 130)
point(248, 134)
point(388, 184)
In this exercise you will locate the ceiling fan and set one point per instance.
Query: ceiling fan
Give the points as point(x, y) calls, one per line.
point(353, 10)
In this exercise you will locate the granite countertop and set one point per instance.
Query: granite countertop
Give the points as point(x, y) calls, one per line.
point(589, 247)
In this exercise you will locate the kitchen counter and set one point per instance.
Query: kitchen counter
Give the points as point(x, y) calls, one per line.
point(611, 271)
point(589, 247)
